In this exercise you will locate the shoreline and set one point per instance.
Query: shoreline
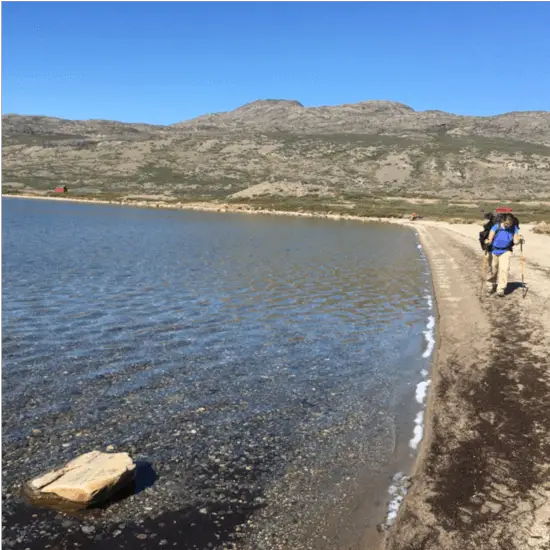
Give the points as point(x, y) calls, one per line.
point(425, 407)
point(217, 207)
point(398, 488)
point(429, 402)
point(466, 491)
point(430, 381)
point(434, 361)
point(408, 459)
point(457, 499)
point(417, 405)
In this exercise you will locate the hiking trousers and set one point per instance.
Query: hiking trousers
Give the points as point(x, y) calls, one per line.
point(498, 270)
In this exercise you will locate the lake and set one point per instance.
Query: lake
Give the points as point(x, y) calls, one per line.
point(267, 372)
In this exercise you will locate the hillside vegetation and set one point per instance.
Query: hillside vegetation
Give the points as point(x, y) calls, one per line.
point(278, 151)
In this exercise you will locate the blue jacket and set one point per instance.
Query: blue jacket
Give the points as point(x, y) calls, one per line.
point(503, 239)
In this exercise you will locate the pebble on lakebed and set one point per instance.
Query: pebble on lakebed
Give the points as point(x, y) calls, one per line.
point(85, 481)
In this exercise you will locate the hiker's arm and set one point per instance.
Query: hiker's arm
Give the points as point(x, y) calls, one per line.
point(518, 239)
point(490, 237)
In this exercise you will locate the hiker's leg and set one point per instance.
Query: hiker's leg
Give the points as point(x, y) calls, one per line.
point(492, 270)
point(503, 270)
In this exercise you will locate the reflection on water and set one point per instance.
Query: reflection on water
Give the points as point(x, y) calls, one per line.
point(120, 324)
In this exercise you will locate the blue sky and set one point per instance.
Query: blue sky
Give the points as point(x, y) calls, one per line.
point(165, 62)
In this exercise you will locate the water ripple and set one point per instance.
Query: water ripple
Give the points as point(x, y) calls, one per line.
point(140, 316)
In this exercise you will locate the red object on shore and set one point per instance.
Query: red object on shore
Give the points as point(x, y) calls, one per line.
point(61, 189)
point(503, 210)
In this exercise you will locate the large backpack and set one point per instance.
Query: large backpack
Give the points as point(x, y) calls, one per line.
point(484, 234)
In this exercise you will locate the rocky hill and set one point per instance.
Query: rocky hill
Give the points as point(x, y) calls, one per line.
point(281, 148)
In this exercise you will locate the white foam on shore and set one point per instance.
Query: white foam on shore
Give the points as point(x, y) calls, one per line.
point(397, 492)
point(429, 336)
point(418, 431)
point(422, 391)
point(398, 487)
point(429, 300)
point(422, 387)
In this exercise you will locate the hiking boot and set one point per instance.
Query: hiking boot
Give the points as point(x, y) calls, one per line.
point(490, 290)
point(500, 293)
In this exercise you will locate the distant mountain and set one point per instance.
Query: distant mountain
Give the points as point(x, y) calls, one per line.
point(371, 117)
point(281, 148)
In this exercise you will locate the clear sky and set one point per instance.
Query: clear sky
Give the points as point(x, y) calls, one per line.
point(166, 62)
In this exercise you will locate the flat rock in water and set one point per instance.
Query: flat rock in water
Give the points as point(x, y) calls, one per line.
point(91, 478)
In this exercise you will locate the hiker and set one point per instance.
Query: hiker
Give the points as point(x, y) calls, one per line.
point(502, 237)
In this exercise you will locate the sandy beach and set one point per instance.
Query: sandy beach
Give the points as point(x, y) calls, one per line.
point(480, 480)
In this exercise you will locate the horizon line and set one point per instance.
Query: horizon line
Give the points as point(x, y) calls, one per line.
point(291, 101)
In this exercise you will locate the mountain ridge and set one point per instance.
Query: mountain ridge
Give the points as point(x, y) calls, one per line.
point(279, 147)
point(388, 104)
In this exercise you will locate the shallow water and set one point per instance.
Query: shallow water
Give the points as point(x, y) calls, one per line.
point(255, 362)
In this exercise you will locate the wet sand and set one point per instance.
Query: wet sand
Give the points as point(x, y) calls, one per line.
point(482, 478)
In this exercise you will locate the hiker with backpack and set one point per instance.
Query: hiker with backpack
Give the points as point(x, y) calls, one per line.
point(502, 237)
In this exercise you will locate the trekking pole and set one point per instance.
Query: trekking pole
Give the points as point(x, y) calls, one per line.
point(483, 273)
point(522, 263)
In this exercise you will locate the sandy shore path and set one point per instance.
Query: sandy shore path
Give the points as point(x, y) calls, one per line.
point(482, 480)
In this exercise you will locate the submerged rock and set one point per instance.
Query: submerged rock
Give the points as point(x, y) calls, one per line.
point(87, 480)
